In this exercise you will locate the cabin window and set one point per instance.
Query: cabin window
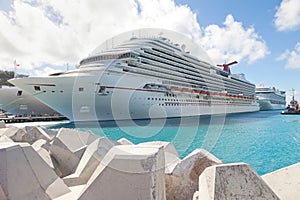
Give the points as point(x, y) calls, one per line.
point(37, 88)
point(80, 89)
point(19, 93)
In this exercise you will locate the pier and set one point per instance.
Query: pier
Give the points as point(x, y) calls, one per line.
point(32, 119)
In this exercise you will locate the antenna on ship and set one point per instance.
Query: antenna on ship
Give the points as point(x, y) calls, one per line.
point(293, 94)
point(15, 68)
point(226, 66)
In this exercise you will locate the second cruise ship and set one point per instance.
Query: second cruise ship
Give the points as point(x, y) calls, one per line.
point(143, 77)
point(270, 98)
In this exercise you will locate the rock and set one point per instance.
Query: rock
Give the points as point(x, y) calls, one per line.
point(183, 181)
point(35, 134)
point(285, 182)
point(24, 175)
point(68, 147)
point(91, 158)
point(2, 124)
point(171, 155)
point(233, 181)
point(124, 141)
point(126, 172)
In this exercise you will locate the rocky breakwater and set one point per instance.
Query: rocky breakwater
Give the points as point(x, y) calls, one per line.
point(36, 163)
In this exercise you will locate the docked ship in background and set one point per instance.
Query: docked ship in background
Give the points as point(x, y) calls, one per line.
point(142, 78)
point(20, 103)
point(270, 98)
point(293, 108)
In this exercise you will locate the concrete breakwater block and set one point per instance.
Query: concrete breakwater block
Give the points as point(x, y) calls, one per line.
point(24, 174)
point(91, 158)
point(196, 196)
point(171, 155)
point(68, 147)
point(183, 181)
point(285, 182)
point(5, 139)
point(44, 154)
point(13, 133)
point(127, 172)
point(124, 141)
point(233, 181)
point(2, 124)
point(35, 133)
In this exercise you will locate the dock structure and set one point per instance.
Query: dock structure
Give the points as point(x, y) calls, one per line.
point(32, 119)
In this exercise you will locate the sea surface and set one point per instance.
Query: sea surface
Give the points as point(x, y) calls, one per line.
point(266, 140)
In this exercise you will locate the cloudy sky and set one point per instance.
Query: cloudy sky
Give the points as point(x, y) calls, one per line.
point(45, 36)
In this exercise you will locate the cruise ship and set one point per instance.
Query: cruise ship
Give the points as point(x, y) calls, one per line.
point(270, 98)
point(143, 78)
point(20, 103)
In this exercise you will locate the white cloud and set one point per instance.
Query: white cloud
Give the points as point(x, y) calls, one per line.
point(45, 71)
point(233, 42)
point(59, 32)
point(56, 32)
point(292, 58)
point(287, 16)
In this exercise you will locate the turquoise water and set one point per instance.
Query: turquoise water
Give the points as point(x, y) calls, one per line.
point(265, 140)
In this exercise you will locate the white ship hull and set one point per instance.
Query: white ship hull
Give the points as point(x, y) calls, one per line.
point(18, 102)
point(123, 98)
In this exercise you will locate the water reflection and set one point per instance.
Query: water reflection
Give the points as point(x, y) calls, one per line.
point(174, 122)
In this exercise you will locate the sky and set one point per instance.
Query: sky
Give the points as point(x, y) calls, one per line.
point(46, 36)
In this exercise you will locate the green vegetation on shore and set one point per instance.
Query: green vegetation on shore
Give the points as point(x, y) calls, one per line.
point(4, 76)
